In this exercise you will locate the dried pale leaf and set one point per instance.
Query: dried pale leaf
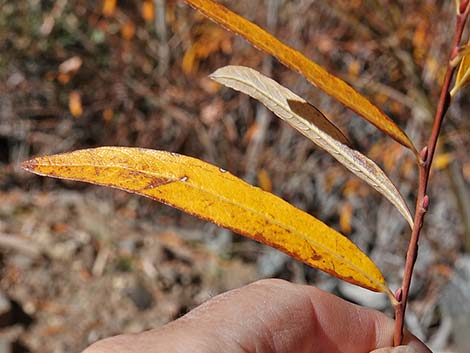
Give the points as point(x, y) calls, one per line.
point(75, 104)
point(211, 193)
point(295, 60)
point(71, 65)
point(278, 99)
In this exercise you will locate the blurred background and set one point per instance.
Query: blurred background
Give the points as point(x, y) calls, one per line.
point(79, 263)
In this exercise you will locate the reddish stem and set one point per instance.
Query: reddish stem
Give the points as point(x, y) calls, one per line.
point(463, 6)
point(422, 201)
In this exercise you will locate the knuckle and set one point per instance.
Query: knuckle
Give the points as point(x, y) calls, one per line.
point(110, 345)
point(271, 282)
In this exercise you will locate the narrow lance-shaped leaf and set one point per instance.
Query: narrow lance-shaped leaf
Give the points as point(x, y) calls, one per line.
point(295, 60)
point(463, 74)
point(287, 106)
point(211, 193)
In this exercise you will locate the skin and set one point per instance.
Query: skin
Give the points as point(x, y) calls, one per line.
point(269, 316)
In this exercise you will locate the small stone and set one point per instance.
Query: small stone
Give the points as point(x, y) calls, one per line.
point(140, 296)
point(5, 311)
point(454, 301)
point(271, 263)
point(5, 305)
point(5, 346)
point(127, 247)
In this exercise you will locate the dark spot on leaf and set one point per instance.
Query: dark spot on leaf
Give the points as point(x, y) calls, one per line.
point(316, 257)
point(156, 182)
point(317, 118)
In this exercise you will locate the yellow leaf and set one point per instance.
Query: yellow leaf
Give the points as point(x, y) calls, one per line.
point(210, 39)
point(189, 61)
point(128, 30)
point(213, 194)
point(63, 78)
point(345, 218)
point(108, 114)
point(251, 132)
point(442, 161)
point(75, 104)
point(354, 69)
point(351, 187)
point(295, 60)
point(280, 101)
point(264, 180)
point(463, 74)
point(421, 39)
point(109, 6)
point(148, 10)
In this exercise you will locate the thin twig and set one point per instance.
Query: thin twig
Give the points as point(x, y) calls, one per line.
point(427, 155)
point(20, 244)
point(162, 33)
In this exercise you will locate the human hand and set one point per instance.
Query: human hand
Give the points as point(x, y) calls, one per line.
point(269, 316)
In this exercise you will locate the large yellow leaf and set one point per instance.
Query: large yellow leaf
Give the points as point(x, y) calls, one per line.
point(291, 108)
point(211, 193)
point(295, 60)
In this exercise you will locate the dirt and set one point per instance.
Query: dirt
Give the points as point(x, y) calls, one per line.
point(80, 271)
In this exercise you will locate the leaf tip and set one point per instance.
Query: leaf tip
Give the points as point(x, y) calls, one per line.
point(395, 298)
point(29, 165)
point(215, 75)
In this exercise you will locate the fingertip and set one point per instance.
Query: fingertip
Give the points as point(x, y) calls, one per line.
point(385, 327)
point(378, 327)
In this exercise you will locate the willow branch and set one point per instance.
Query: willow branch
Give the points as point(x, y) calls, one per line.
point(427, 155)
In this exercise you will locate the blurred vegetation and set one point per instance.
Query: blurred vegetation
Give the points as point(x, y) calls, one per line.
point(82, 73)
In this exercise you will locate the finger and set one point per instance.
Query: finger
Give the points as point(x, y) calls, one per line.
point(271, 316)
point(399, 349)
